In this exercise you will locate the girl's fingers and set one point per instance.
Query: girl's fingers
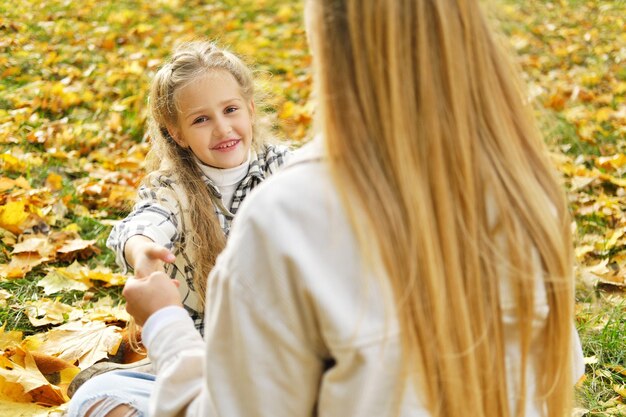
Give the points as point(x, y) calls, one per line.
point(161, 253)
point(152, 259)
point(148, 268)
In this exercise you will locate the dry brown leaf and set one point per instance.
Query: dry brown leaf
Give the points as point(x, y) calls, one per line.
point(21, 264)
point(36, 244)
point(49, 364)
point(77, 249)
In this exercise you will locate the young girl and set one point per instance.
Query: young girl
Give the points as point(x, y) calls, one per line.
point(208, 153)
point(417, 262)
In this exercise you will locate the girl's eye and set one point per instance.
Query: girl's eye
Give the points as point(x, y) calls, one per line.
point(200, 119)
point(230, 109)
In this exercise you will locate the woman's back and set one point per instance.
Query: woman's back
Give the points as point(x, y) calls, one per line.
point(319, 306)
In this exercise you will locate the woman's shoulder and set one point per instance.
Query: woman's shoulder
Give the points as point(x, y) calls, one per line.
point(304, 182)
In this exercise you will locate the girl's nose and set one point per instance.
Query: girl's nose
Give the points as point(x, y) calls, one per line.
point(222, 127)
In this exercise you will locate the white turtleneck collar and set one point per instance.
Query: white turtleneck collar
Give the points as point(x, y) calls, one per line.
point(226, 179)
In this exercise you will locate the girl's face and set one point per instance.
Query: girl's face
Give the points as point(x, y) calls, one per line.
point(215, 120)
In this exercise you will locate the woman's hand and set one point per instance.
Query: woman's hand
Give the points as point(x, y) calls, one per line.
point(145, 256)
point(145, 296)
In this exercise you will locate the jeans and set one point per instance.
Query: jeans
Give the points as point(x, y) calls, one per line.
point(110, 390)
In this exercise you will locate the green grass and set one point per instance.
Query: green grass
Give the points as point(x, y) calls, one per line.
point(12, 314)
point(602, 326)
point(562, 135)
point(23, 290)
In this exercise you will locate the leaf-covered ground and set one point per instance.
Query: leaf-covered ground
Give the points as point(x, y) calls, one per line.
point(73, 84)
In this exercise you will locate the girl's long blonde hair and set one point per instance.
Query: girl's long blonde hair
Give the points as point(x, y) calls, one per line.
point(437, 157)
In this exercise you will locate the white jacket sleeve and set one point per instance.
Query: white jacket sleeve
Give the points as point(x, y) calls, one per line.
point(177, 352)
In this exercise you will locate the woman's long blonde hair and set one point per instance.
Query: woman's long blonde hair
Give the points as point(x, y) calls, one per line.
point(437, 156)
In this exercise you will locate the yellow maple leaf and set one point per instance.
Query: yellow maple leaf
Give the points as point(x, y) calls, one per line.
point(86, 343)
point(13, 215)
point(55, 282)
point(10, 163)
point(53, 368)
point(105, 275)
point(614, 180)
point(83, 273)
point(33, 381)
point(603, 114)
point(23, 183)
point(614, 161)
point(11, 406)
point(287, 110)
point(29, 410)
point(45, 311)
point(12, 395)
point(285, 13)
point(6, 184)
point(10, 338)
point(583, 250)
point(615, 235)
point(54, 181)
point(105, 310)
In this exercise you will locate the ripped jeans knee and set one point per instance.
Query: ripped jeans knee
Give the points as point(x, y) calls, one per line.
point(102, 394)
point(101, 407)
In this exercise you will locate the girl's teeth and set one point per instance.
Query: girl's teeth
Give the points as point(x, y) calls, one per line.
point(227, 145)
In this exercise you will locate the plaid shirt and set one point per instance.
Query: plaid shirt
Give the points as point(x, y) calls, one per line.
point(161, 214)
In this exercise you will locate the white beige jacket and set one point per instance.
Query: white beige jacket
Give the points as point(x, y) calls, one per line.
point(288, 294)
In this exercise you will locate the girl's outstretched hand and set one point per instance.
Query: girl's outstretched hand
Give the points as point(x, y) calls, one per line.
point(145, 256)
point(145, 296)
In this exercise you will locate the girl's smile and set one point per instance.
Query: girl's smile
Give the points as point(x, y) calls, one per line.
point(227, 145)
